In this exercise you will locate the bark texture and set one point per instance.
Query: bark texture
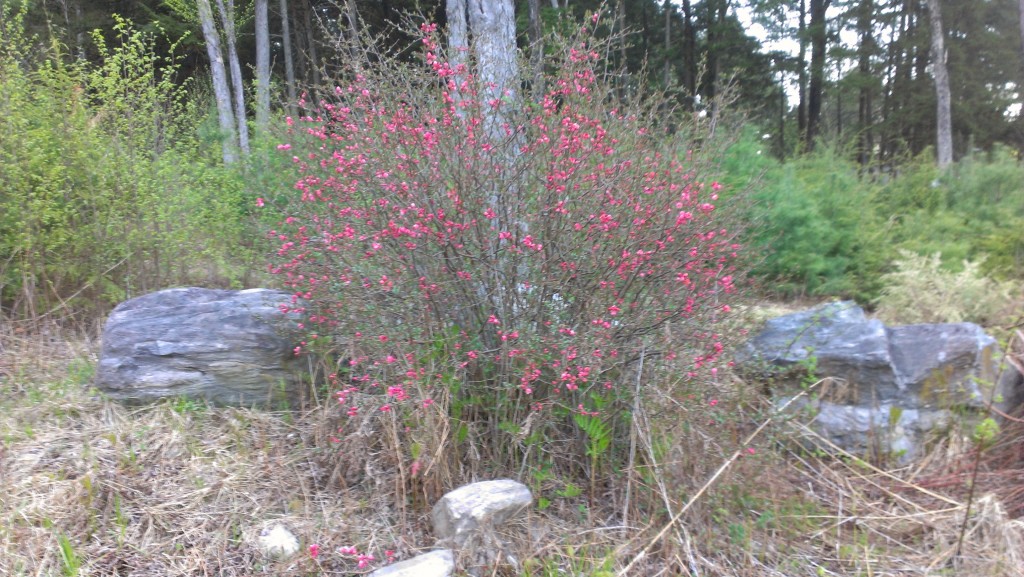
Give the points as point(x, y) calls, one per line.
point(221, 90)
point(944, 124)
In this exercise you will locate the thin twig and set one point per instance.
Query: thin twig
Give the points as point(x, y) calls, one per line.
point(632, 438)
point(736, 455)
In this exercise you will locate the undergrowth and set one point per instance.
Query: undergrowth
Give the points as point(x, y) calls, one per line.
point(94, 488)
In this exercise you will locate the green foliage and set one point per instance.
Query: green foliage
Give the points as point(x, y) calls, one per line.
point(71, 563)
point(919, 290)
point(811, 221)
point(971, 212)
point(985, 432)
point(828, 229)
point(115, 197)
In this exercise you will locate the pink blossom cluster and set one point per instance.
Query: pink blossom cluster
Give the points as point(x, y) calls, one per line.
point(537, 264)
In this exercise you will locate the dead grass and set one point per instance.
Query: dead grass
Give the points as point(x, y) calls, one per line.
point(89, 487)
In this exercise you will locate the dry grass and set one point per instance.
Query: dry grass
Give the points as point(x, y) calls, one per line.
point(88, 487)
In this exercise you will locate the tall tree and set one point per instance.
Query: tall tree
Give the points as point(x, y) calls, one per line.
point(535, 33)
point(865, 80)
point(312, 32)
point(689, 52)
point(226, 9)
point(487, 28)
point(289, 61)
point(667, 79)
point(262, 66)
point(818, 34)
point(801, 112)
point(221, 91)
point(944, 130)
point(1020, 17)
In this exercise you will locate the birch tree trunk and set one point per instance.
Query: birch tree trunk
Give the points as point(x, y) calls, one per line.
point(262, 67)
point(221, 91)
point(227, 18)
point(944, 128)
point(458, 41)
point(487, 28)
point(493, 25)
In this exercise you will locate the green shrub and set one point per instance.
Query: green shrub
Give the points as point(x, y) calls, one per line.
point(813, 222)
point(107, 192)
point(919, 290)
point(516, 283)
point(973, 211)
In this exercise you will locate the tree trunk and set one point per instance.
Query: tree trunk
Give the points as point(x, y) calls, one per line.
point(668, 43)
point(818, 32)
point(801, 107)
point(719, 10)
point(620, 19)
point(1020, 15)
point(458, 43)
point(227, 18)
point(493, 25)
point(944, 130)
point(314, 57)
point(352, 17)
point(690, 54)
point(221, 91)
point(262, 67)
point(289, 62)
point(865, 143)
point(536, 34)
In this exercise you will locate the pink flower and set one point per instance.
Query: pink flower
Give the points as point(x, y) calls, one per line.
point(259, 202)
point(713, 402)
point(364, 560)
point(314, 550)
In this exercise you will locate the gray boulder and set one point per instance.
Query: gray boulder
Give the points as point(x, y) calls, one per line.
point(440, 563)
point(229, 347)
point(891, 387)
point(471, 519)
point(478, 508)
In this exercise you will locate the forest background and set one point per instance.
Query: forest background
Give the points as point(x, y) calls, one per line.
point(838, 131)
point(146, 145)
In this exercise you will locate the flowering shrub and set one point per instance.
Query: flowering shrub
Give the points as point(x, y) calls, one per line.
point(510, 279)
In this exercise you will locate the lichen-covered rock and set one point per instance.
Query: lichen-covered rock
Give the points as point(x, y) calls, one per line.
point(277, 541)
point(891, 386)
point(440, 563)
point(478, 508)
point(225, 346)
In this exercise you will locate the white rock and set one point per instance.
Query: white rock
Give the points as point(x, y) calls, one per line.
point(440, 563)
point(276, 541)
point(478, 507)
